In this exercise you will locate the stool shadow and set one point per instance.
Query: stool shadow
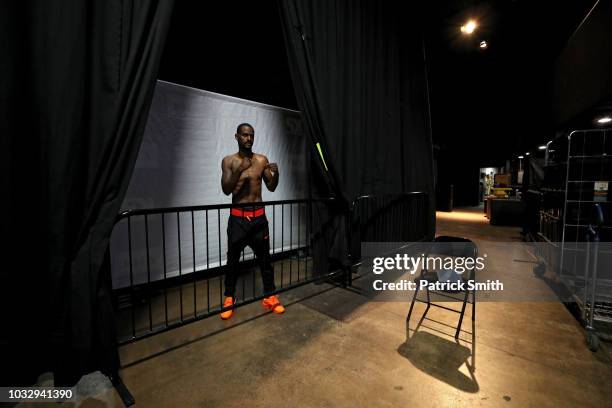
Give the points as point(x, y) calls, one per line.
point(440, 358)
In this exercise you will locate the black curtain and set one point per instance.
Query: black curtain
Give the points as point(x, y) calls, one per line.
point(76, 81)
point(359, 72)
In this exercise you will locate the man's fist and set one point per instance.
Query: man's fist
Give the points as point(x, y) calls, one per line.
point(273, 167)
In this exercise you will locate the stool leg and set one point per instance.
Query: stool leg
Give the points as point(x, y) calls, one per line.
point(474, 305)
point(416, 292)
point(461, 315)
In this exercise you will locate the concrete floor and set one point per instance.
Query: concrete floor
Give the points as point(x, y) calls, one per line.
point(332, 348)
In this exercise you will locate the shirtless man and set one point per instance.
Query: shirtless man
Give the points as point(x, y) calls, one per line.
point(242, 175)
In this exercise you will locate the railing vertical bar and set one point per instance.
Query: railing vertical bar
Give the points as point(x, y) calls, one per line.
point(148, 271)
point(381, 223)
point(416, 211)
point(165, 267)
point(298, 242)
point(243, 278)
point(306, 244)
point(375, 225)
point(388, 214)
point(308, 229)
point(252, 277)
point(132, 300)
point(252, 281)
point(274, 235)
point(390, 220)
point(243, 285)
point(412, 215)
point(409, 216)
point(405, 217)
point(378, 223)
point(220, 276)
point(369, 228)
point(290, 242)
point(180, 265)
point(366, 217)
point(207, 267)
point(384, 224)
point(195, 302)
point(282, 239)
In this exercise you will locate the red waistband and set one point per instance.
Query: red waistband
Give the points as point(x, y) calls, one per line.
point(239, 212)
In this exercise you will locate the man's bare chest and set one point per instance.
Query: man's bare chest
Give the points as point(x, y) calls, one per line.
point(255, 171)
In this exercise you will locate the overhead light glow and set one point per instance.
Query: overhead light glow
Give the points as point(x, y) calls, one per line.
point(527, 154)
point(469, 27)
point(521, 157)
point(483, 44)
point(605, 119)
point(543, 147)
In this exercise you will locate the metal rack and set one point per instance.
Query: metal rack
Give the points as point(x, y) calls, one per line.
point(570, 220)
point(585, 222)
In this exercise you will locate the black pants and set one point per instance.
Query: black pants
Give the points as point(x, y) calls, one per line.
point(254, 232)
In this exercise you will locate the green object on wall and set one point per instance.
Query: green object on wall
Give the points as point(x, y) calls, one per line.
point(321, 154)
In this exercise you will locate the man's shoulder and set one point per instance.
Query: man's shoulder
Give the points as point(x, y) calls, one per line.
point(260, 157)
point(230, 157)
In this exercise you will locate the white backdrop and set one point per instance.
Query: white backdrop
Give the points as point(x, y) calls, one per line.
point(188, 132)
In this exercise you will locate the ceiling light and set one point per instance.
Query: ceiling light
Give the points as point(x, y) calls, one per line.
point(469, 27)
point(521, 157)
point(543, 147)
point(527, 154)
point(483, 44)
point(605, 119)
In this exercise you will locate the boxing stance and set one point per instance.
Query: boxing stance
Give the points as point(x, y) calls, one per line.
point(242, 175)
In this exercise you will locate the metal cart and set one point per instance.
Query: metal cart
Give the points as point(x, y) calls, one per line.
point(595, 302)
point(570, 219)
point(586, 224)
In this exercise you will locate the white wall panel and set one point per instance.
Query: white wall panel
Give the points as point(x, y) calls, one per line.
point(188, 132)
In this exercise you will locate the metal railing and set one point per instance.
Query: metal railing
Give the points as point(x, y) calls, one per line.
point(402, 217)
point(531, 225)
point(168, 264)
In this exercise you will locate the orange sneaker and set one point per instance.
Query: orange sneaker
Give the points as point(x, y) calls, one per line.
point(272, 303)
point(229, 301)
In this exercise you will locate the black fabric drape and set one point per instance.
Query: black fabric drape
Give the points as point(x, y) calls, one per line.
point(359, 75)
point(77, 79)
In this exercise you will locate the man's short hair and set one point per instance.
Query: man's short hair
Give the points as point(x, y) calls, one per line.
point(244, 124)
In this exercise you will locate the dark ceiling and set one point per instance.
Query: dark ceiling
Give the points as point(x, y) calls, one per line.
point(489, 104)
point(485, 104)
point(231, 47)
